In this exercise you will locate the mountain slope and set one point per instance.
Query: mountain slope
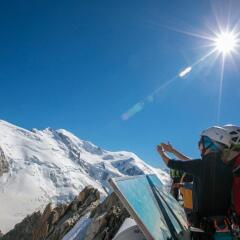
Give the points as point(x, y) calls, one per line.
point(37, 167)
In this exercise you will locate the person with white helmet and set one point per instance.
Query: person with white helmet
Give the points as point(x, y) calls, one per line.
point(212, 176)
point(234, 150)
point(233, 157)
point(234, 132)
point(218, 136)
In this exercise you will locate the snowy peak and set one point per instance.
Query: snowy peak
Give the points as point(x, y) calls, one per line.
point(42, 166)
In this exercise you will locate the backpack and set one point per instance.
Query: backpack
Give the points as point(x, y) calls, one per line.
point(236, 185)
point(186, 191)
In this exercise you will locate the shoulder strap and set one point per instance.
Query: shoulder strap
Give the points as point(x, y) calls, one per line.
point(182, 178)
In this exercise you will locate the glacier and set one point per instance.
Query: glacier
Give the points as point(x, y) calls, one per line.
point(42, 166)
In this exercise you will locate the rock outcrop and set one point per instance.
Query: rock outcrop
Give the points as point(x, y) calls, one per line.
point(23, 230)
point(54, 223)
point(107, 218)
point(4, 166)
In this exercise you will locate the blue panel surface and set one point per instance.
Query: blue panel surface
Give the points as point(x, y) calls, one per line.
point(139, 194)
point(174, 211)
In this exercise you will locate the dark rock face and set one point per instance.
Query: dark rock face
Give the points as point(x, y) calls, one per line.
point(55, 223)
point(4, 166)
point(107, 218)
point(23, 230)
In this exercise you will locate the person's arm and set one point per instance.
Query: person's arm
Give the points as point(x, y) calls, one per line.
point(169, 148)
point(180, 155)
point(163, 155)
point(193, 167)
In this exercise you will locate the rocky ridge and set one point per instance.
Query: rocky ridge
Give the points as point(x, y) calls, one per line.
point(101, 220)
point(4, 165)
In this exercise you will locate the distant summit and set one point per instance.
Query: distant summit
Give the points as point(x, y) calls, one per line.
point(42, 166)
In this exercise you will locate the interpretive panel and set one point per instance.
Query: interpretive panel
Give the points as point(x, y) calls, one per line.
point(151, 206)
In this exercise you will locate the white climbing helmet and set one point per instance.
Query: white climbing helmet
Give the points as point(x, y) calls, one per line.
point(234, 132)
point(218, 134)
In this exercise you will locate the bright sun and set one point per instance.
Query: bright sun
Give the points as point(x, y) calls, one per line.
point(226, 42)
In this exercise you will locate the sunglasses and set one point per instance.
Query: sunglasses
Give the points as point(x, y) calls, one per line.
point(205, 141)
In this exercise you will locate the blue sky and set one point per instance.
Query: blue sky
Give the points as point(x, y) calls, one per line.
point(80, 65)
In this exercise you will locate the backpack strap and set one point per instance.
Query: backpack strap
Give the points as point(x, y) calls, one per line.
point(182, 178)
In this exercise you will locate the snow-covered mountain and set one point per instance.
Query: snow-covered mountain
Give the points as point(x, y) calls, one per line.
point(37, 167)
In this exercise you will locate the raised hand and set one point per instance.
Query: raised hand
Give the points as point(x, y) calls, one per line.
point(163, 155)
point(159, 148)
point(167, 147)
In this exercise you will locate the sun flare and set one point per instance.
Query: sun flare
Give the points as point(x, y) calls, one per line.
point(226, 42)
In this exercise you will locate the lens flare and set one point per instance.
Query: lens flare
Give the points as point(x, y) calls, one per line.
point(226, 42)
point(222, 42)
point(185, 72)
